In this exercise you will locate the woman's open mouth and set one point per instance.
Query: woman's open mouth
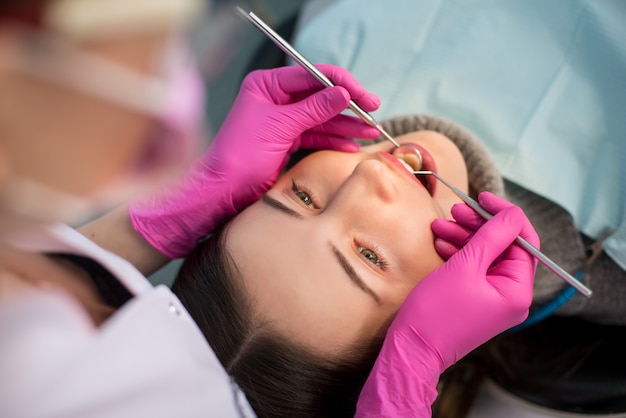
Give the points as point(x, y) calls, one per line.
point(406, 156)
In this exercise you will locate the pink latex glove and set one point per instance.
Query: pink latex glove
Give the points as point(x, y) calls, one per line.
point(275, 113)
point(482, 290)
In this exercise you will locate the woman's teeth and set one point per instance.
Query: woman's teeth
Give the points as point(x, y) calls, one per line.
point(410, 162)
point(406, 165)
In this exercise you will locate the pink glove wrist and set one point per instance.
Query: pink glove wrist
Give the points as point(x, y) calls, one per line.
point(401, 384)
point(173, 223)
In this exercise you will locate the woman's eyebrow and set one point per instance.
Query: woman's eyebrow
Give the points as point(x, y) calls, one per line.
point(341, 259)
point(281, 207)
point(352, 274)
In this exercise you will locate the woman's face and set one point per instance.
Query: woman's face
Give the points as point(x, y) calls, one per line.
point(330, 252)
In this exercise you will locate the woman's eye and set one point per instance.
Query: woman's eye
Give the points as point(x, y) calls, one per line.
point(370, 256)
point(304, 197)
point(373, 257)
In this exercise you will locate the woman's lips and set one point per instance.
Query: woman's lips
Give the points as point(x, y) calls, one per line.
point(400, 167)
point(428, 164)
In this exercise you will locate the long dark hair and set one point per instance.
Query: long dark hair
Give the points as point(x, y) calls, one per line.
point(279, 377)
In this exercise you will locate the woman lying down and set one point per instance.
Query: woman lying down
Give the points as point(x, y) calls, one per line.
point(295, 293)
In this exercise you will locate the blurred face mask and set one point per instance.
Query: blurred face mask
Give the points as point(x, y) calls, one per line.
point(173, 99)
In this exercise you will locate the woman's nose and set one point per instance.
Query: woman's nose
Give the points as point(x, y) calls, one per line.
point(377, 178)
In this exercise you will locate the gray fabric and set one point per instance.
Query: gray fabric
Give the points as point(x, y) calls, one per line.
point(560, 239)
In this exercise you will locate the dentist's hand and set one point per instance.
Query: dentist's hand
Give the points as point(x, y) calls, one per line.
point(275, 113)
point(482, 290)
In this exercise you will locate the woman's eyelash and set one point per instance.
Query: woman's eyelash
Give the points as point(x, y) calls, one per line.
point(305, 195)
point(373, 255)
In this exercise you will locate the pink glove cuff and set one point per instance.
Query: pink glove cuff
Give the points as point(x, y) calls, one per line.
point(166, 220)
point(403, 381)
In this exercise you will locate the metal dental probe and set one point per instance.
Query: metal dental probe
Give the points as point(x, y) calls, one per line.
point(555, 268)
point(293, 53)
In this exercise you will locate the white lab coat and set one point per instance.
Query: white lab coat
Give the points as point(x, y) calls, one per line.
point(149, 359)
